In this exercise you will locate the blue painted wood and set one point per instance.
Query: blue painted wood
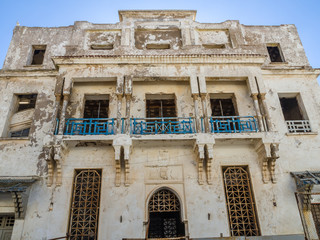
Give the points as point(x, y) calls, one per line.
point(147, 126)
point(233, 124)
point(90, 126)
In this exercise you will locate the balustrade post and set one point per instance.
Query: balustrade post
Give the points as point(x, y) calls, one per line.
point(257, 109)
point(66, 97)
point(266, 110)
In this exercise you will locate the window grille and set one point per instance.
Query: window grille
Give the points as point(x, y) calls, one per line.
point(164, 216)
point(6, 222)
point(164, 201)
point(84, 212)
point(315, 209)
point(240, 202)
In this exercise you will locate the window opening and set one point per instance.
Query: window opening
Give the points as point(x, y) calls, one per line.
point(96, 109)
point(274, 54)
point(240, 202)
point(6, 226)
point(26, 101)
point(165, 215)
point(38, 55)
point(315, 209)
point(295, 119)
point(290, 109)
point(21, 120)
point(84, 212)
point(222, 107)
point(161, 108)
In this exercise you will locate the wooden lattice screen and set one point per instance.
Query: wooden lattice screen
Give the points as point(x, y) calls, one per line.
point(164, 201)
point(240, 202)
point(84, 213)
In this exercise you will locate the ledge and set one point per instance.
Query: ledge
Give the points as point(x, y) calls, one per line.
point(14, 139)
point(302, 134)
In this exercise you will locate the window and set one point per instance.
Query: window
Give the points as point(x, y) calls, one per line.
point(38, 54)
point(294, 113)
point(315, 209)
point(161, 106)
point(21, 120)
point(240, 202)
point(84, 212)
point(6, 226)
point(96, 106)
point(222, 107)
point(275, 53)
point(165, 216)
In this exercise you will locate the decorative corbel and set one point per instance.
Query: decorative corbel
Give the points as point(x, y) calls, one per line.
point(127, 151)
point(17, 200)
point(117, 152)
point(274, 148)
point(48, 155)
point(59, 152)
point(199, 148)
point(264, 154)
point(209, 157)
point(268, 153)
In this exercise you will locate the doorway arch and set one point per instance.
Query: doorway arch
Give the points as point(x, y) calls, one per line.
point(164, 209)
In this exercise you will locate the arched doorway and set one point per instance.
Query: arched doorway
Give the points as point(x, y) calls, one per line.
point(165, 215)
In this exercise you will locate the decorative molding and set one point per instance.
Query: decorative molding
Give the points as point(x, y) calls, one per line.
point(268, 154)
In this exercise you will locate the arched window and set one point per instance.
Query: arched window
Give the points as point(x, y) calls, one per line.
point(165, 215)
point(84, 212)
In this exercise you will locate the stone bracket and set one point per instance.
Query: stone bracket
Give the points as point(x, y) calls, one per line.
point(122, 145)
point(268, 154)
point(204, 150)
point(18, 205)
point(54, 155)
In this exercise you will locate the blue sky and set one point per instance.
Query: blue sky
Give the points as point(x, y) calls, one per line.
point(305, 14)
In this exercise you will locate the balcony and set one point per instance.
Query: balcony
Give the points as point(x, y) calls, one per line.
point(298, 126)
point(169, 125)
point(233, 124)
point(90, 126)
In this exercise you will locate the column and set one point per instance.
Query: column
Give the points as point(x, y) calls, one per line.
point(66, 97)
point(257, 109)
point(266, 110)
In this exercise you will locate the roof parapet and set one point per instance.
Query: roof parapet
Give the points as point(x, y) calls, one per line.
point(157, 14)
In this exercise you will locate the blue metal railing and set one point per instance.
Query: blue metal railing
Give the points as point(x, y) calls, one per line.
point(90, 126)
point(233, 124)
point(178, 125)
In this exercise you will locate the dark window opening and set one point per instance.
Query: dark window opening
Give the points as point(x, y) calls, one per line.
point(222, 107)
point(315, 209)
point(26, 101)
point(274, 54)
point(290, 109)
point(161, 108)
point(96, 109)
point(38, 55)
point(20, 133)
point(240, 202)
point(165, 216)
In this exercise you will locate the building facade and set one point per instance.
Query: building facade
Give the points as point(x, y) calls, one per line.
point(159, 127)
